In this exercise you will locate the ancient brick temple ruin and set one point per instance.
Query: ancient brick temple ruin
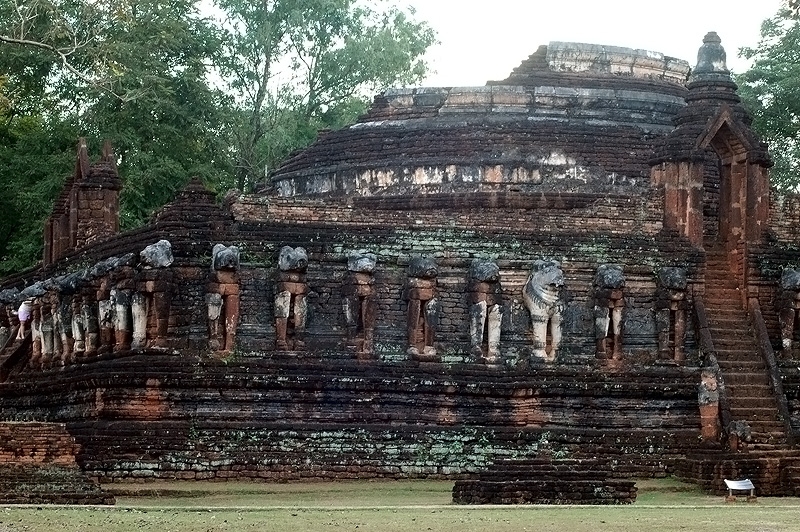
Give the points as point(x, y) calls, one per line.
point(583, 261)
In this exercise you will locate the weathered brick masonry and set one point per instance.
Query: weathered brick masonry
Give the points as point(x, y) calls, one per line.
point(38, 465)
point(571, 163)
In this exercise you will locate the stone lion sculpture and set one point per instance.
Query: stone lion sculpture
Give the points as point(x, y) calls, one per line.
point(542, 295)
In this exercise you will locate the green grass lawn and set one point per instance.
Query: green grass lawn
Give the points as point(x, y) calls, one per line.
point(662, 505)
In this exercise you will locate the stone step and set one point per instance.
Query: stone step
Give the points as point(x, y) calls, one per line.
point(718, 290)
point(726, 314)
point(743, 366)
point(784, 453)
point(775, 440)
point(766, 401)
point(719, 335)
point(742, 341)
point(744, 361)
point(765, 426)
point(748, 390)
point(723, 301)
point(737, 353)
point(723, 307)
point(736, 391)
point(758, 447)
point(726, 317)
point(754, 414)
point(734, 378)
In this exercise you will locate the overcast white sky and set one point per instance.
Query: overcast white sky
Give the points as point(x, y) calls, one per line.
point(485, 39)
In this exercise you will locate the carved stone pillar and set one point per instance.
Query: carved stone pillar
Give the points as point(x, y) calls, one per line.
point(360, 303)
point(543, 297)
point(291, 307)
point(423, 309)
point(485, 297)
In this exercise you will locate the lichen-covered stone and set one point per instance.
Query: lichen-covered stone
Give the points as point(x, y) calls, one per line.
point(158, 255)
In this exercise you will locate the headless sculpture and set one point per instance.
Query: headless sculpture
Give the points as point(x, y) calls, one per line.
point(290, 299)
point(485, 310)
point(150, 307)
point(360, 302)
point(223, 298)
point(609, 283)
point(423, 309)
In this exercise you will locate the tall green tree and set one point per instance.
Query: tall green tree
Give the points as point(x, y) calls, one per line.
point(132, 71)
point(166, 122)
point(771, 90)
point(180, 93)
point(34, 153)
point(296, 66)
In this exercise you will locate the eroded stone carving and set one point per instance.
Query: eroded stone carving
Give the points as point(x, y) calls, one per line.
point(423, 308)
point(158, 255)
point(78, 329)
point(46, 330)
point(485, 296)
point(8, 314)
point(609, 285)
point(542, 295)
point(739, 435)
point(105, 314)
point(788, 307)
point(671, 308)
point(291, 306)
point(91, 326)
point(360, 302)
point(223, 299)
point(708, 399)
point(153, 282)
point(122, 319)
point(36, 335)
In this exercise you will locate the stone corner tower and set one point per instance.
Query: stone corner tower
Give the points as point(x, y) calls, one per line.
point(87, 209)
point(712, 147)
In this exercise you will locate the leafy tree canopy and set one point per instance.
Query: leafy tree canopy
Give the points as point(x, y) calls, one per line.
point(771, 90)
point(224, 95)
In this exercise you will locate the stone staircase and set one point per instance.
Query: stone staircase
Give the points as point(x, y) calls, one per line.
point(747, 383)
point(13, 352)
point(768, 459)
